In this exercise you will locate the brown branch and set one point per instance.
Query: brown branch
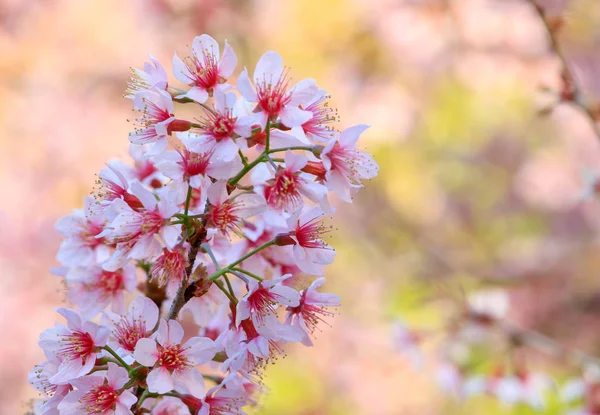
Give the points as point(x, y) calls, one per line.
point(571, 91)
point(180, 297)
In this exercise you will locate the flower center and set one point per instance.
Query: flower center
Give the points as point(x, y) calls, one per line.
point(219, 125)
point(151, 222)
point(170, 266)
point(127, 333)
point(194, 163)
point(76, 345)
point(204, 69)
point(173, 358)
point(99, 400)
point(88, 233)
point(272, 97)
point(322, 116)
point(224, 217)
point(309, 234)
point(284, 193)
point(109, 282)
point(152, 114)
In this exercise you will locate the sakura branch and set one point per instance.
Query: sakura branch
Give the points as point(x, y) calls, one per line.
point(217, 217)
point(571, 91)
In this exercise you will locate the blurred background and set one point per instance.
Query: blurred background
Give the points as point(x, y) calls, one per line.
point(477, 190)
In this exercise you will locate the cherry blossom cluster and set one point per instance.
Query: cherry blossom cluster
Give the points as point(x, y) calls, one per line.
point(222, 217)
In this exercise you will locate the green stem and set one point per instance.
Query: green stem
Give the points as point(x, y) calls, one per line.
point(268, 136)
point(231, 298)
point(248, 273)
point(242, 259)
point(119, 360)
point(233, 181)
point(188, 198)
point(276, 150)
point(244, 159)
point(229, 285)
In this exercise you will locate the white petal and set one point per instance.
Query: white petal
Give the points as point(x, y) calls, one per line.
point(269, 68)
point(181, 71)
point(145, 352)
point(205, 45)
point(350, 135)
point(228, 61)
point(198, 94)
point(159, 380)
point(246, 88)
point(294, 116)
point(303, 92)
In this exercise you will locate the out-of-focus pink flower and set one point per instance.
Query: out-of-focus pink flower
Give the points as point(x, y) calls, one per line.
point(152, 76)
point(94, 288)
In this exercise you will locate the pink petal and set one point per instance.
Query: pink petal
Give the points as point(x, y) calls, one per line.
point(350, 136)
point(159, 380)
point(246, 88)
point(189, 381)
point(145, 352)
point(294, 162)
point(181, 71)
point(200, 350)
point(228, 61)
point(169, 332)
point(198, 94)
point(303, 92)
point(116, 376)
point(294, 116)
point(269, 68)
point(206, 45)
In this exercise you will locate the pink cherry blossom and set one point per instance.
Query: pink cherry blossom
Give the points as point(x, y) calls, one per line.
point(219, 400)
point(112, 184)
point(317, 127)
point(220, 129)
point(73, 348)
point(169, 405)
point(186, 166)
point(94, 288)
point(311, 253)
point(225, 213)
point(52, 394)
point(100, 395)
point(169, 268)
point(173, 364)
point(285, 190)
point(138, 323)
point(311, 310)
point(134, 231)
point(156, 107)
point(205, 69)
point(346, 165)
point(273, 94)
point(152, 76)
point(81, 247)
point(262, 299)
